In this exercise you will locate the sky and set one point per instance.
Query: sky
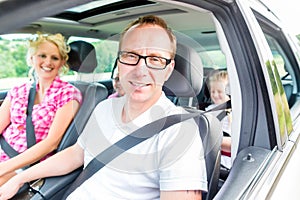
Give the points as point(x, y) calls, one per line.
point(288, 11)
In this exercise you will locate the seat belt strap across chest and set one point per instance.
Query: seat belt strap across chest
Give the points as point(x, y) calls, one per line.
point(126, 143)
point(132, 140)
point(30, 134)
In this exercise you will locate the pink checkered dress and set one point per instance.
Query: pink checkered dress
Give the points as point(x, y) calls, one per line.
point(56, 96)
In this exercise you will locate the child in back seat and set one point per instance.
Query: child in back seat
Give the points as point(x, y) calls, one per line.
point(217, 84)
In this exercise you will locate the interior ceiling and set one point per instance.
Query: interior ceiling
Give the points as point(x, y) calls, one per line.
point(108, 21)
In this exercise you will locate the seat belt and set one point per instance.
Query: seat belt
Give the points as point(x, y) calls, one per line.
point(224, 108)
point(30, 134)
point(130, 141)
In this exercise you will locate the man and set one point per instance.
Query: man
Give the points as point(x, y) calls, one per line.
point(169, 165)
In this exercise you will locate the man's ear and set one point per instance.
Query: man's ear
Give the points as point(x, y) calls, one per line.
point(170, 69)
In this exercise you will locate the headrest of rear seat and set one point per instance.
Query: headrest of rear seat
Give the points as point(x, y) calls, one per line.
point(82, 57)
point(187, 77)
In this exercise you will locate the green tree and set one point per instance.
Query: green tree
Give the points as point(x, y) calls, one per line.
point(106, 55)
point(12, 58)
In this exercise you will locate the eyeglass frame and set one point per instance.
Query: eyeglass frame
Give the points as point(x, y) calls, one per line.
point(168, 61)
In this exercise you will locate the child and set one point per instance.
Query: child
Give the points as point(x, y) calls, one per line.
point(218, 84)
point(117, 87)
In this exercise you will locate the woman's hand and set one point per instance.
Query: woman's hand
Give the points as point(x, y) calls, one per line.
point(10, 188)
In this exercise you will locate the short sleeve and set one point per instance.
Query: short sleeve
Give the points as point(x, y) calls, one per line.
point(14, 92)
point(68, 93)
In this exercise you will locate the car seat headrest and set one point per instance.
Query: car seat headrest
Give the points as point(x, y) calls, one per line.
point(82, 57)
point(187, 77)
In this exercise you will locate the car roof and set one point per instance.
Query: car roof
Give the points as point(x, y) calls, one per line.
point(99, 20)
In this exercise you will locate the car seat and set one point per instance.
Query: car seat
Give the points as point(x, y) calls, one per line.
point(82, 58)
point(190, 79)
point(186, 82)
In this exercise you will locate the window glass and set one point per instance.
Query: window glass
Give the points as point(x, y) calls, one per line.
point(14, 69)
point(282, 85)
point(278, 55)
point(106, 53)
point(213, 59)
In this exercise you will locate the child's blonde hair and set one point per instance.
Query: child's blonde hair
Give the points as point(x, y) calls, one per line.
point(218, 76)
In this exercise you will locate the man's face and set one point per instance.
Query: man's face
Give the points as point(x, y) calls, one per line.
point(140, 83)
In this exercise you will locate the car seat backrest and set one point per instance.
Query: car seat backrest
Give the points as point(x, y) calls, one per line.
point(211, 139)
point(93, 94)
point(186, 82)
point(82, 58)
point(186, 79)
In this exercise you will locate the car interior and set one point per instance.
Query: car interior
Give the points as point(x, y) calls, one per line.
point(93, 30)
point(185, 81)
point(90, 27)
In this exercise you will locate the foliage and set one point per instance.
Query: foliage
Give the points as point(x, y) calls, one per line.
point(13, 57)
point(106, 55)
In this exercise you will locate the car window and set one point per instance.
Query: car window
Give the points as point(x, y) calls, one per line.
point(282, 77)
point(106, 53)
point(14, 69)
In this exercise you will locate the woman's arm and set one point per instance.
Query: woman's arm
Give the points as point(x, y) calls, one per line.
point(61, 121)
point(182, 194)
point(5, 115)
point(59, 164)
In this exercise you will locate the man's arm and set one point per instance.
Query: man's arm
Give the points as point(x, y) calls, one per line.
point(58, 164)
point(180, 195)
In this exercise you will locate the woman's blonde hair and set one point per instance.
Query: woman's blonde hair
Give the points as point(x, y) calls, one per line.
point(57, 39)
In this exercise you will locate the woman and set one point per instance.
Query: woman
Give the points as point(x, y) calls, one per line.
point(55, 105)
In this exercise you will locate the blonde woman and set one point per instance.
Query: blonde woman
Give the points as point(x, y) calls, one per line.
point(55, 105)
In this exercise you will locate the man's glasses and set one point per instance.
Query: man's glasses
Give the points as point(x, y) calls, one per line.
point(153, 62)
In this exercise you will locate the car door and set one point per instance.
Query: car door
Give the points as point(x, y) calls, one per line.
point(269, 149)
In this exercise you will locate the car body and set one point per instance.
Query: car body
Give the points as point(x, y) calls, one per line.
point(243, 37)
